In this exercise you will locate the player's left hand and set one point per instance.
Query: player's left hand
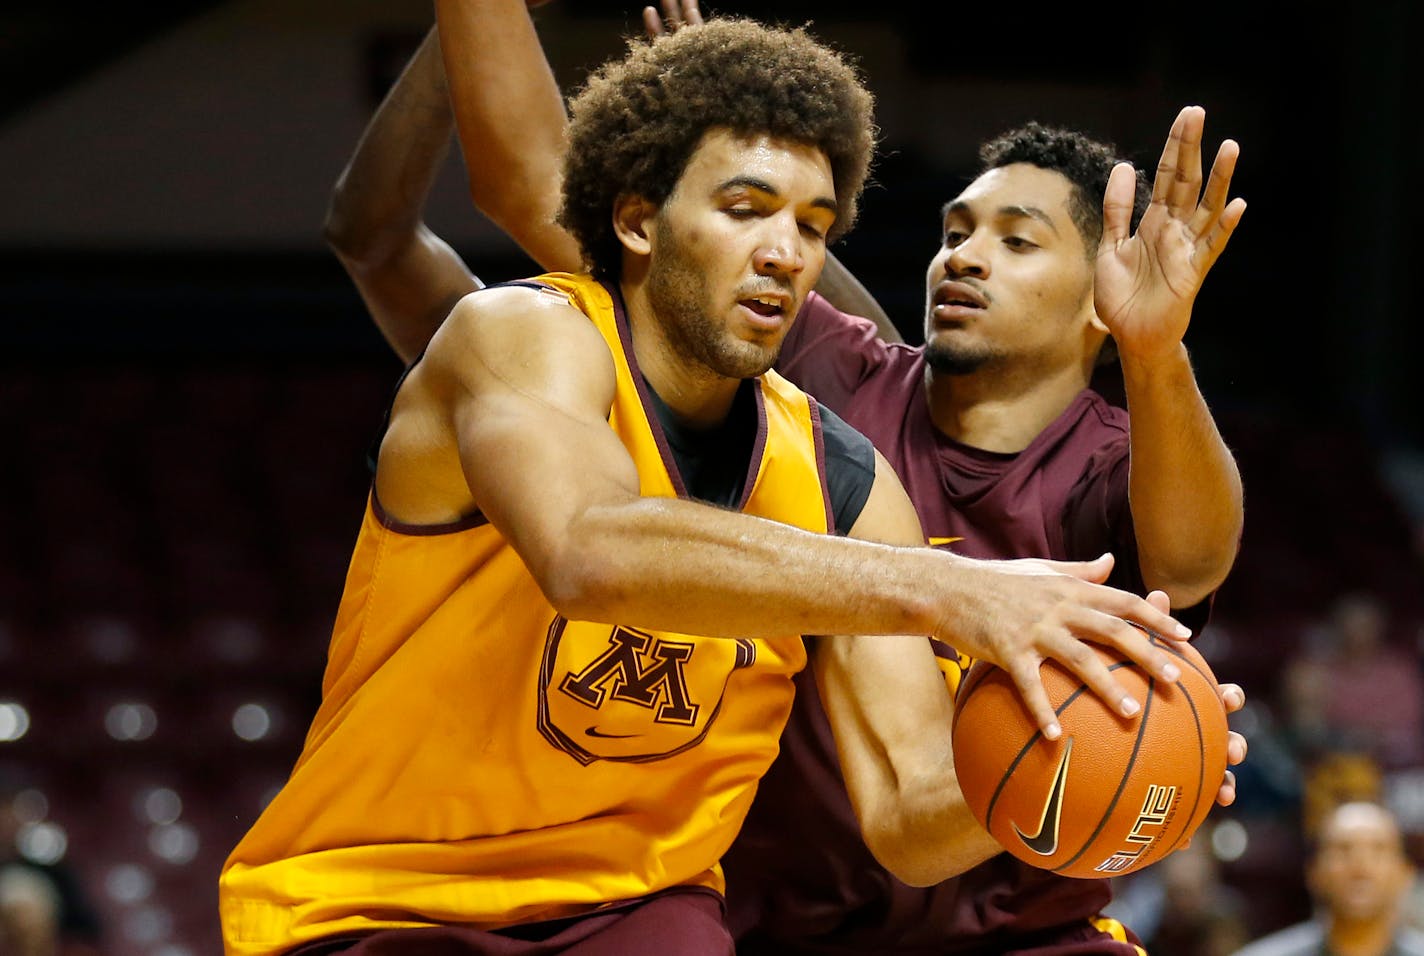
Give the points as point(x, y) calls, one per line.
point(675, 15)
point(1145, 283)
point(1234, 698)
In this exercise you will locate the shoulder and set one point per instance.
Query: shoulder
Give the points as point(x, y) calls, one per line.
point(820, 327)
point(818, 315)
point(837, 357)
point(1101, 415)
point(819, 310)
point(494, 307)
point(508, 327)
point(1090, 438)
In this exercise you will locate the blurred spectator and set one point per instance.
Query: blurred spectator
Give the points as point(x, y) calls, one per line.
point(29, 913)
point(1359, 878)
point(43, 910)
point(1333, 779)
point(1181, 906)
point(1356, 691)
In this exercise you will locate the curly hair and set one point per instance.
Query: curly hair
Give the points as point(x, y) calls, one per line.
point(1084, 162)
point(637, 121)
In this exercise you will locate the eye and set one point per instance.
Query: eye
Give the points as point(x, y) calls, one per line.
point(1019, 243)
point(812, 230)
point(953, 237)
point(741, 212)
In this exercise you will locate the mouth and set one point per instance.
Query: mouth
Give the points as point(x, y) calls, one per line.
point(768, 310)
point(959, 294)
point(953, 302)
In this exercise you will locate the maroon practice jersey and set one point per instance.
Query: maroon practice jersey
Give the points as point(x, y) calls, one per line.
point(799, 878)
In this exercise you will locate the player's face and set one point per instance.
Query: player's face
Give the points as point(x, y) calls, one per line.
point(1360, 867)
point(737, 247)
point(1011, 285)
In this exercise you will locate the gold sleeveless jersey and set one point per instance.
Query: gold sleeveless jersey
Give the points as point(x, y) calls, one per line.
point(479, 760)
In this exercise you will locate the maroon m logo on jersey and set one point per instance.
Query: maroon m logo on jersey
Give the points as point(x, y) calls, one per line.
point(618, 693)
point(619, 672)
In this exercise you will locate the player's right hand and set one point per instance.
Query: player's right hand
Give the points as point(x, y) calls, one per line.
point(1017, 614)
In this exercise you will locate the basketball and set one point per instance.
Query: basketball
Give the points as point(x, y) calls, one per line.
point(1111, 795)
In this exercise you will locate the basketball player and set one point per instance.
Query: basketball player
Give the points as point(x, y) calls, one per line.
point(823, 892)
point(1006, 450)
point(555, 678)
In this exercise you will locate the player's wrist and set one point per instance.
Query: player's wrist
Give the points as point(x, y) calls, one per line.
point(1152, 362)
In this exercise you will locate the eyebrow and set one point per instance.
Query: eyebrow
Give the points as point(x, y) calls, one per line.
point(761, 185)
point(1016, 212)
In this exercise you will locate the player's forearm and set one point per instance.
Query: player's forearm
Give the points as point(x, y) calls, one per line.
point(892, 717)
point(680, 565)
point(926, 834)
point(1184, 485)
point(510, 120)
point(376, 206)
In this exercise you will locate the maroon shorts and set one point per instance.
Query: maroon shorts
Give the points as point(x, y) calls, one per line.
point(685, 921)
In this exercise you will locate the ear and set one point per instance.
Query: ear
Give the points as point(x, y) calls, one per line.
point(632, 217)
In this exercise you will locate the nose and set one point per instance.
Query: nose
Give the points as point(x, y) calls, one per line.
point(780, 251)
point(967, 258)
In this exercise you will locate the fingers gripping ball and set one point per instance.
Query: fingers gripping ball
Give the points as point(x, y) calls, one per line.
point(1110, 795)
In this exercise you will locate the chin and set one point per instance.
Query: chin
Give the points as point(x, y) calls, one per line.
point(743, 359)
point(947, 360)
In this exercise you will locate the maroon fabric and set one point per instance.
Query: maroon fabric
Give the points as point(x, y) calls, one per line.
point(799, 878)
point(1064, 496)
point(688, 921)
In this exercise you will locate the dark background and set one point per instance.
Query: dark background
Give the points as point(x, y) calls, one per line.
point(186, 405)
point(1311, 313)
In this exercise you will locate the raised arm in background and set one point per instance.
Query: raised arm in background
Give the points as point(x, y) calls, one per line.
point(1184, 487)
point(408, 276)
point(510, 122)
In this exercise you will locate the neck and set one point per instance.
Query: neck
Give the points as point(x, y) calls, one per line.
point(699, 397)
point(1360, 937)
point(997, 411)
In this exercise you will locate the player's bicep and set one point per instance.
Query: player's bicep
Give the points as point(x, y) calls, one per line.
point(529, 410)
point(888, 516)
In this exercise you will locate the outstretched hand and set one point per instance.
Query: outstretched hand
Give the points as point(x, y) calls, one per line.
point(1023, 612)
point(675, 15)
point(1145, 283)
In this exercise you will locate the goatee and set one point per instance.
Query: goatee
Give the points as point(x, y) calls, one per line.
point(950, 361)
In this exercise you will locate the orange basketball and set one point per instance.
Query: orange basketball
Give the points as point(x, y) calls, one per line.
point(1110, 795)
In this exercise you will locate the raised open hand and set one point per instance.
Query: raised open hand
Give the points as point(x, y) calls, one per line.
point(1145, 283)
point(675, 15)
